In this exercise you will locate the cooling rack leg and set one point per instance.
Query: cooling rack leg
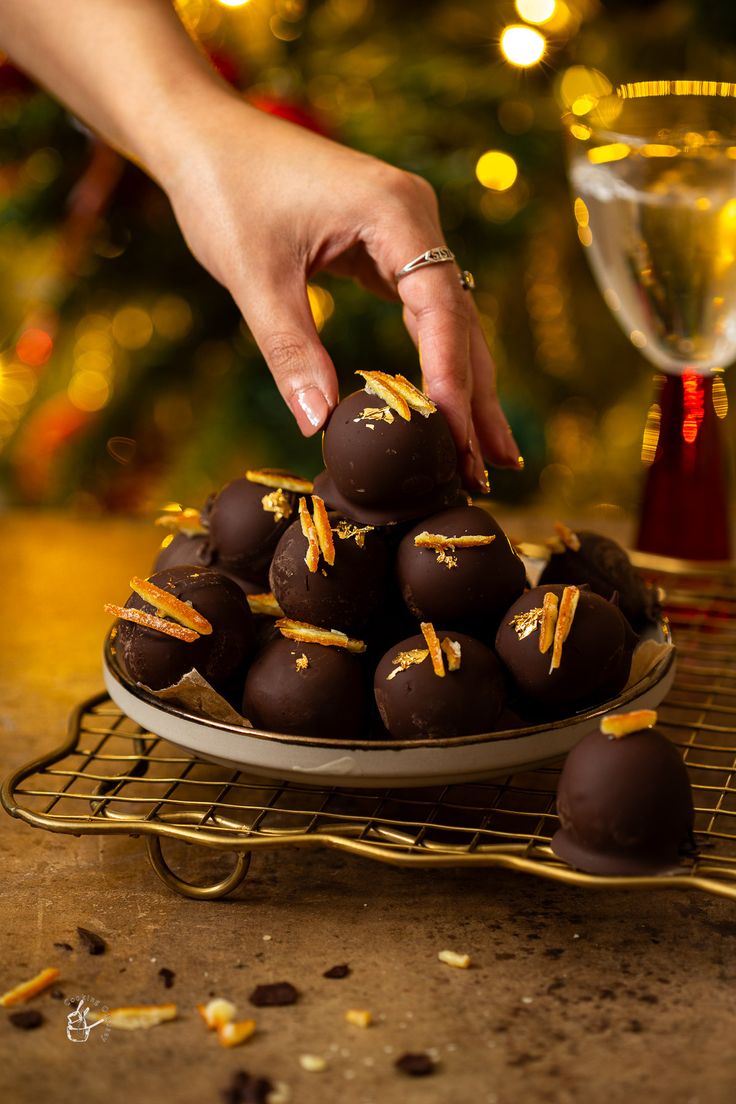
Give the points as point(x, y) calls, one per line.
point(198, 892)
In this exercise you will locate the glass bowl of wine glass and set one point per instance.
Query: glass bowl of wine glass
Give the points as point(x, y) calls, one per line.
point(652, 167)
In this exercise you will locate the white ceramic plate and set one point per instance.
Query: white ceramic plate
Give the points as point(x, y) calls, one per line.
point(371, 763)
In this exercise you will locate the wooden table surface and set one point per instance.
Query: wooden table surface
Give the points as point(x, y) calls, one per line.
point(573, 995)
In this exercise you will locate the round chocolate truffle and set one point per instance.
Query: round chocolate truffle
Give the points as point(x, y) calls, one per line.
point(157, 660)
point(605, 567)
point(414, 702)
point(180, 548)
point(382, 468)
point(306, 690)
point(470, 586)
point(346, 595)
point(246, 521)
point(595, 657)
point(625, 805)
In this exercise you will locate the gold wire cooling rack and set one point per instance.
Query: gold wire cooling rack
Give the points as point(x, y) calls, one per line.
point(112, 776)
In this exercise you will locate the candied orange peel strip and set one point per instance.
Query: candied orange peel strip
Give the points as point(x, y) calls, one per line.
point(217, 1012)
point(382, 385)
point(570, 539)
point(416, 399)
point(30, 988)
point(548, 622)
point(151, 621)
point(565, 616)
point(435, 649)
point(235, 1032)
point(140, 1016)
point(266, 604)
point(310, 532)
point(453, 651)
point(324, 530)
point(618, 725)
point(313, 634)
point(280, 481)
point(182, 519)
point(437, 540)
point(164, 601)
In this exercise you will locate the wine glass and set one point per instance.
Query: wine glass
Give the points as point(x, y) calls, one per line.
point(652, 166)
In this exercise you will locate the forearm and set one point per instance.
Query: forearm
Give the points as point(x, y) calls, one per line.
point(126, 67)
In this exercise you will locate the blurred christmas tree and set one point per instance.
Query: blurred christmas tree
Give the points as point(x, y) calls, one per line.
point(126, 376)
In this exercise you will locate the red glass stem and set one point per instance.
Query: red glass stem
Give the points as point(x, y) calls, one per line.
point(685, 506)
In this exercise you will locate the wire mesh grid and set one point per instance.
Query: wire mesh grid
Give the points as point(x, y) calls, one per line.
point(112, 776)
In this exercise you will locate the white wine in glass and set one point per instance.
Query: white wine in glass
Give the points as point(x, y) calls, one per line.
point(653, 173)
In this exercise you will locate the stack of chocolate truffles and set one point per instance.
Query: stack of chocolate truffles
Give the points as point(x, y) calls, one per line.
point(376, 603)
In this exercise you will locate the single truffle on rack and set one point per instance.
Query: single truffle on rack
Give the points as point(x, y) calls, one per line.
point(389, 454)
point(458, 568)
point(624, 800)
point(439, 684)
point(248, 517)
point(328, 571)
point(180, 619)
point(565, 647)
point(309, 682)
point(587, 557)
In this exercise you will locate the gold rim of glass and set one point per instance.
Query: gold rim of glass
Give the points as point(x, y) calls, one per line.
point(592, 116)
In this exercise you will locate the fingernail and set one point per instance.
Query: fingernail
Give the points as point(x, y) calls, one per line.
point(520, 463)
point(484, 483)
point(470, 447)
point(314, 404)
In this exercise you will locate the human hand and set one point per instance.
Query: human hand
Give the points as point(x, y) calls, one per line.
point(265, 205)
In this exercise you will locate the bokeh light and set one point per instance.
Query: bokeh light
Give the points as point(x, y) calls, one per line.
point(89, 390)
point(132, 327)
point(34, 347)
point(496, 170)
point(522, 46)
point(321, 303)
point(536, 11)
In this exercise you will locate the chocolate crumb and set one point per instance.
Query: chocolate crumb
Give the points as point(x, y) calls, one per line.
point(281, 992)
point(94, 943)
point(63, 946)
point(246, 1089)
point(56, 994)
point(167, 976)
point(415, 1065)
point(341, 971)
point(27, 1019)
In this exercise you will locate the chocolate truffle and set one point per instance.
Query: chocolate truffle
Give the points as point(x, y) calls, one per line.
point(247, 519)
point(416, 702)
point(382, 467)
point(594, 658)
point(181, 548)
point(346, 594)
point(306, 689)
point(587, 557)
point(470, 585)
point(624, 802)
point(157, 660)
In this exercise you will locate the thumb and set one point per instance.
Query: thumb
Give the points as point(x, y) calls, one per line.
point(281, 322)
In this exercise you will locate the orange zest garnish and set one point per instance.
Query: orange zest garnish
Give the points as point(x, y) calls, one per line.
point(150, 621)
point(324, 531)
point(435, 649)
point(164, 601)
point(31, 988)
